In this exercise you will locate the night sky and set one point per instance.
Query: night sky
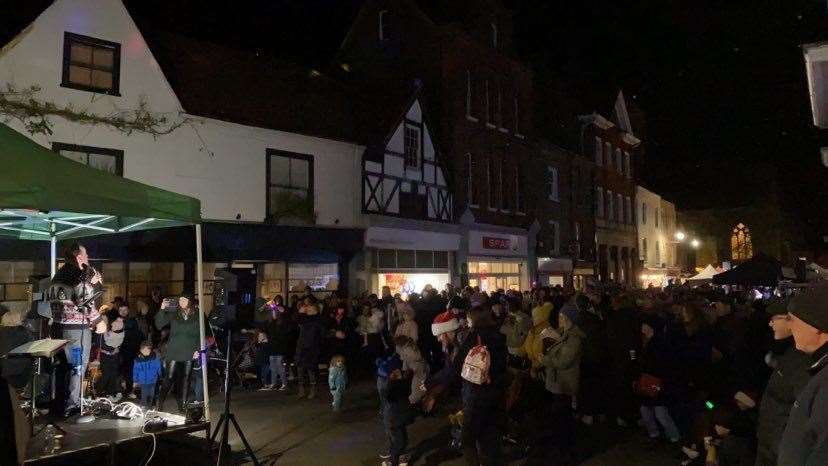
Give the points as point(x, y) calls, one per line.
point(722, 83)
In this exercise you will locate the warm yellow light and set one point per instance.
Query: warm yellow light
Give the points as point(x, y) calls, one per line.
point(695, 243)
point(680, 236)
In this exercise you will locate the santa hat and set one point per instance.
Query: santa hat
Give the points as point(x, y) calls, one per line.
point(444, 322)
point(746, 398)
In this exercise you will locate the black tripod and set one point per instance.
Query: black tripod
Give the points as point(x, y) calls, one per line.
point(223, 425)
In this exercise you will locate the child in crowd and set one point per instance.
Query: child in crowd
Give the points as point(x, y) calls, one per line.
point(407, 326)
point(110, 360)
point(363, 324)
point(337, 381)
point(261, 358)
point(394, 390)
point(413, 365)
point(145, 372)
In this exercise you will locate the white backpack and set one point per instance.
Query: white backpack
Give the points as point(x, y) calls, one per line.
point(476, 365)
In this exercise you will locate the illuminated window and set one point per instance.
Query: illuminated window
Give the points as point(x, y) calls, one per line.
point(741, 245)
point(91, 64)
point(412, 146)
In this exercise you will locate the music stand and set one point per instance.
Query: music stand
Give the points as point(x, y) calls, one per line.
point(36, 350)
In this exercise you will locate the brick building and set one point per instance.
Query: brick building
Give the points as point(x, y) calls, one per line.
point(459, 54)
point(614, 147)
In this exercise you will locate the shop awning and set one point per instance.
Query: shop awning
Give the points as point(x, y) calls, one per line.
point(44, 195)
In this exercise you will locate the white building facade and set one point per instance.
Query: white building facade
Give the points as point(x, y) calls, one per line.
point(656, 224)
point(89, 59)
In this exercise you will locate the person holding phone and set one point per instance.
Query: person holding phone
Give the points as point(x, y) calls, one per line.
point(182, 348)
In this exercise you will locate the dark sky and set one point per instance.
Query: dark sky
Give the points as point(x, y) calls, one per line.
point(722, 83)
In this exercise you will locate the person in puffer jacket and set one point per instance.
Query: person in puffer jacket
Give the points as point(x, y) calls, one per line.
point(532, 348)
point(145, 372)
point(561, 363)
point(516, 326)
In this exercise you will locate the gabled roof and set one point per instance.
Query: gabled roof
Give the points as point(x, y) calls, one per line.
point(254, 89)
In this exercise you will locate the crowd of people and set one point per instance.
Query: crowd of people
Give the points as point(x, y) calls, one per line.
point(712, 374)
point(722, 377)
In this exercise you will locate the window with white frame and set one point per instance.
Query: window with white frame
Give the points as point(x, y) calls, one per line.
point(412, 146)
point(555, 237)
point(552, 183)
point(619, 202)
point(383, 25)
point(644, 249)
point(610, 206)
point(656, 217)
point(599, 202)
point(599, 155)
point(619, 161)
point(643, 213)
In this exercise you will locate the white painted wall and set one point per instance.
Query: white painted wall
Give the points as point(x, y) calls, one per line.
point(221, 163)
point(649, 230)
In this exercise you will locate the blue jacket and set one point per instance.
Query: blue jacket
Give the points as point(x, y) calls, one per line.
point(146, 370)
point(337, 378)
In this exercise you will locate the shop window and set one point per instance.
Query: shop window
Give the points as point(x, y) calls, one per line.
point(425, 259)
point(473, 267)
point(386, 258)
point(441, 260)
point(320, 277)
point(271, 278)
point(405, 259)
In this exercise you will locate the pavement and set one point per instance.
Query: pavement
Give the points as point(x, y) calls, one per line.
point(286, 431)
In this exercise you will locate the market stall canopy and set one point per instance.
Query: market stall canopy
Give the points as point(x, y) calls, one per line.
point(43, 195)
point(761, 270)
point(705, 275)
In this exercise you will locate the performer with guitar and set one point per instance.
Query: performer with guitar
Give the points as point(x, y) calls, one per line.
point(74, 313)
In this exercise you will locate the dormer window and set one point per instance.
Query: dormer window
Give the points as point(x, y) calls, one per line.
point(494, 35)
point(91, 64)
point(384, 25)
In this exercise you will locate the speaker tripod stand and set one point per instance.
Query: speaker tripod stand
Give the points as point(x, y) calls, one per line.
point(227, 417)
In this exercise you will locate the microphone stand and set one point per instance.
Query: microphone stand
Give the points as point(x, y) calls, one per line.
point(85, 418)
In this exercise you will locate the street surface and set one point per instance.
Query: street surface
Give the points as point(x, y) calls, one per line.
point(285, 431)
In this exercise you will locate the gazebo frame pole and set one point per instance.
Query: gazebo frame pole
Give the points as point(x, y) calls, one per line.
point(52, 256)
point(200, 290)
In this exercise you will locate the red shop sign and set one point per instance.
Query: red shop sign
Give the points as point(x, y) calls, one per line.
point(495, 243)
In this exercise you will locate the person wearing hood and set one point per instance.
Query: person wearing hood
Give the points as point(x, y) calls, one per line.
point(561, 361)
point(789, 376)
point(532, 347)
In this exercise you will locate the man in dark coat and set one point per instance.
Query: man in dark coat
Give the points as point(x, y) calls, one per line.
point(805, 441)
point(309, 346)
point(624, 341)
point(790, 374)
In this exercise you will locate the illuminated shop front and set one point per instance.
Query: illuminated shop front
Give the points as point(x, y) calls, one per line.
point(497, 261)
point(408, 260)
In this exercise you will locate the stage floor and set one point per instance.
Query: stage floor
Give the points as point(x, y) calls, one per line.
point(103, 437)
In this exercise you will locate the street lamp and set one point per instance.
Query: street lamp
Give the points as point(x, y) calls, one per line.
point(695, 243)
point(680, 236)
